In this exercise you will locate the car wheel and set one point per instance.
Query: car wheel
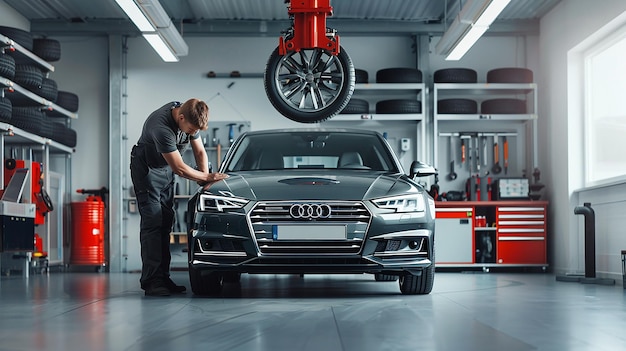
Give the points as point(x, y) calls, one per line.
point(380, 277)
point(205, 283)
point(309, 86)
point(231, 277)
point(418, 284)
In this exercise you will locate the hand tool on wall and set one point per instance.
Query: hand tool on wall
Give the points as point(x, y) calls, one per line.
point(496, 162)
point(231, 133)
point(506, 155)
point(214, 142)
point(452, 175)
point(469, 155)
point(462, 152)
point(477, 153)
point(484, 142)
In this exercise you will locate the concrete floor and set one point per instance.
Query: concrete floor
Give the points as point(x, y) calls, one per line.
point(465, 311)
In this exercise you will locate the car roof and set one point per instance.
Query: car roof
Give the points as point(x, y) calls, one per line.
point(291, 130)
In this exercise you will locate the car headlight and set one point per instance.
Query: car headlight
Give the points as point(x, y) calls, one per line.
point(211, 202)
point(404, 203)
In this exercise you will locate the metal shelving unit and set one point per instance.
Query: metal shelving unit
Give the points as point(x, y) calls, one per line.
point(483, 91)
point(16, 137)
point(374, 92)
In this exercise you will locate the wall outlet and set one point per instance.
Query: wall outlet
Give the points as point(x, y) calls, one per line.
point(405, 144)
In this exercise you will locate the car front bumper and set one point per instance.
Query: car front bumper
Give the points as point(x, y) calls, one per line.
point(374, 242)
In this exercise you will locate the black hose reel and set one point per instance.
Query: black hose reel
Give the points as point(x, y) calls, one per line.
point(590, 251)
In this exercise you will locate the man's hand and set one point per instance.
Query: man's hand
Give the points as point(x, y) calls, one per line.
point(212, 178)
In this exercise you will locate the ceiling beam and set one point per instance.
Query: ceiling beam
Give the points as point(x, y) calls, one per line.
point(94, 27)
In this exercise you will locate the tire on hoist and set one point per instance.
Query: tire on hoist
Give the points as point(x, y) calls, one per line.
point(310, 85)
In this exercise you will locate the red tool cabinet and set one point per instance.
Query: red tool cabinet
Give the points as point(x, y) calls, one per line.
point(503, 233)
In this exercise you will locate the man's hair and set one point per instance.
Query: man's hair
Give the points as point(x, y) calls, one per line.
point(196, 112)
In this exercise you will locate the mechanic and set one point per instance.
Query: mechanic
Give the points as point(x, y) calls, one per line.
point(154, 160)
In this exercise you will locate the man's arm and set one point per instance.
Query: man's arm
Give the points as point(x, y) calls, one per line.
point(176, 163)
point(199, 153)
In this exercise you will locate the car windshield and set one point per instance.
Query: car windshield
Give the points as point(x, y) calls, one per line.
point(311, 150)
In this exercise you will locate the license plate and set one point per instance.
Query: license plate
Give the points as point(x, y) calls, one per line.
point(309, 232)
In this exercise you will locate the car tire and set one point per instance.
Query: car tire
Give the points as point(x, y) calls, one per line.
point(398, 106)
point(457, 106)
point(503, 106)
point(361, 75)
point(6, 109)
point(510, 75)
point(399, 75)
point(380, 277)
point(66, 100)
point(205, 283)
point(29, 119)
point(48, 50)
point(455, 75)
point(418, 284)
point(231, 277)
point(7, 66)
point(28, 76)
point(22, 37)
point(285, 96)
point(356, 106)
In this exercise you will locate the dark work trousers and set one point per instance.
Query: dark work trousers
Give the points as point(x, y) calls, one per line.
point(155, 199)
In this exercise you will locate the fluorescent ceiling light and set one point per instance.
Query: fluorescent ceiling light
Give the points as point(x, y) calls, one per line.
point(470, 24)
point(135, 15)
point(159, 45)
point(156, 27)
point(466, 42)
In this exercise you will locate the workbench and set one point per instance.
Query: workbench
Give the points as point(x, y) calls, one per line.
point(491, 234)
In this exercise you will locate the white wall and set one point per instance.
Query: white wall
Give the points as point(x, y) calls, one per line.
point(565, 27)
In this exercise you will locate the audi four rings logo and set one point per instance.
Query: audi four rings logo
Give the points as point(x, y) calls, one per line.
point(309, 211)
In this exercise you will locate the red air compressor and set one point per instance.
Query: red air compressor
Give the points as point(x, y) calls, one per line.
point(39, 196)
point(88, 233)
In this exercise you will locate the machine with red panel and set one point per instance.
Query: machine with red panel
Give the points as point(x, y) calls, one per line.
point(39, 196)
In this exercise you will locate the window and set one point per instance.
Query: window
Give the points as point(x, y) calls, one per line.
point(605, 108)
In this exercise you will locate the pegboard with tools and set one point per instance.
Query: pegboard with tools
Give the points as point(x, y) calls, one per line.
point(474, 161)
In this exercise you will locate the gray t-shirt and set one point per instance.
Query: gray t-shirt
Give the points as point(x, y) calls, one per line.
point(160, 134)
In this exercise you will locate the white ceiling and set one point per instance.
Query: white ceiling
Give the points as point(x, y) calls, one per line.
point(249, 17)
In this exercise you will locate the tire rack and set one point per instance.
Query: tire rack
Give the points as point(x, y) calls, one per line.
point(379, 91)
point(15, 136)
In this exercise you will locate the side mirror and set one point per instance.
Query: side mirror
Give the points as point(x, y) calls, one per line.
point(420, 169)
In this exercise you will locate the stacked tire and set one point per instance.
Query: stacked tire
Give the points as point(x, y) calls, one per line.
point(516, 75)
point(399, 75)
point(456, 105)
point(21, 110)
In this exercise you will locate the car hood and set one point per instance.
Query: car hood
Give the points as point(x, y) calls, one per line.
point(296, 185)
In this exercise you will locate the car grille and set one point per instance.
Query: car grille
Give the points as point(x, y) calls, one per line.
point(267, 218)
